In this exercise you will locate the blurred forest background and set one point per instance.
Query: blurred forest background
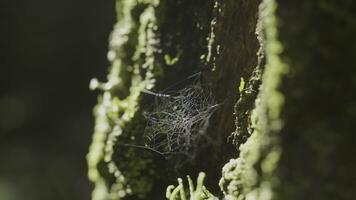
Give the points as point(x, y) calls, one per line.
point(50, 49)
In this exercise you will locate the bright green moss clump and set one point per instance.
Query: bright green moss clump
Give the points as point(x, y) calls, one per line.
point(132, 70)
point(251, 176)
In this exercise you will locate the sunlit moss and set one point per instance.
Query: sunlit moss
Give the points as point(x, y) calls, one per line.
point(251, 176)
point(242, 84)
point(121, 94)
point(171, 61)
point(210, 55)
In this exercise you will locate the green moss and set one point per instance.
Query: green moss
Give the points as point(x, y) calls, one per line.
point(172, 61)
point(198, 193)
point(213, 49)
point(144, 32)
point(251, 176)
point(120, 100)
point(147, 36)
point(242, 84)
point(303, 116)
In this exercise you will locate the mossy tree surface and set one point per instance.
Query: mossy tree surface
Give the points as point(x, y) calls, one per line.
point(279, 143)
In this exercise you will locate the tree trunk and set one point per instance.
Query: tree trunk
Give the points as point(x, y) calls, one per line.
point(192, 70)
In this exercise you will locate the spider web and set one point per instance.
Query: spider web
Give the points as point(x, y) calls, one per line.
point(177, 122)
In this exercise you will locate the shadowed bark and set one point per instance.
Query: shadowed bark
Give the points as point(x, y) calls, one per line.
point(264, 69)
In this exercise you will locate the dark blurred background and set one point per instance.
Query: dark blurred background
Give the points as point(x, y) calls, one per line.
point(50, 49)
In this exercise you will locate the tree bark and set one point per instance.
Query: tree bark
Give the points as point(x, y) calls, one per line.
point(270, 141)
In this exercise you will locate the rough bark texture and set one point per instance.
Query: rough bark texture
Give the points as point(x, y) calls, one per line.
point(278, 146)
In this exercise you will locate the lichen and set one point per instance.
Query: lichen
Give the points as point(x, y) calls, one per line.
point(251, 175)
point(121, 95)
point(213, 48)
point(198, 193)
point(248, 91)
point(242, 84)
point(172, 61)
